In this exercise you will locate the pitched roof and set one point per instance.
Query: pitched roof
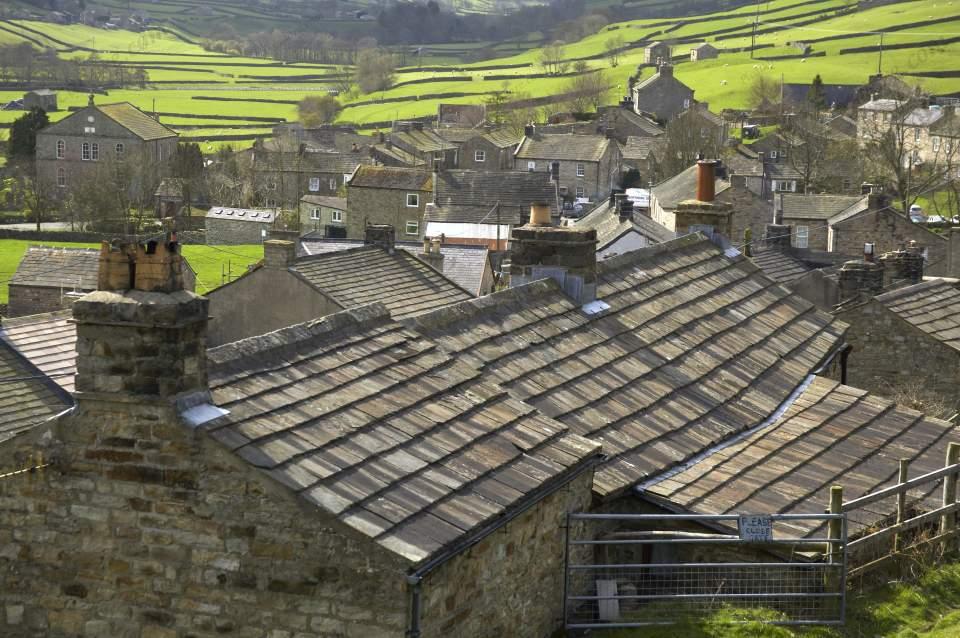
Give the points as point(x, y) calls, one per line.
point(694, 348)
point(503, 138)
point(50, 267)
point(681, 187)
point(459, 135)
point(586, 148)
point(411, 179)
point(606, 221)
point(372, 423)
point(136, 121)
point(462, 264)
point(396, 154)
point(639, 148)
point(48, 341)
point(655, 79)
point(241, 215)
point(424, 141)
point(883, 104)
point(831, 434)
point(310, 161)
point(932, 306)
point(368, 274)
point(27, 396)
point(705, 46)
point(780, 266)
point(470, 196)
point(855, 209)
point(816, 206)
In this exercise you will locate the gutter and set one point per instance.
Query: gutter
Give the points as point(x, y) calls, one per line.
point(415, 578)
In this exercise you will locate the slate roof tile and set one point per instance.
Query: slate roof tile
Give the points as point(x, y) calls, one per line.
point(816, 206)
point(136, 121)
point(780, 266)
point(27, 396)
point(67, 268)
point(48, 341)
point(411, 179)
point(587, 148)
point(932, 306)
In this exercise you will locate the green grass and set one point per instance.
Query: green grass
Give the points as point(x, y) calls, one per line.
point(926, 609)
point(209, 262)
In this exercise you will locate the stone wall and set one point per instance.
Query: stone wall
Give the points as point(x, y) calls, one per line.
point(599, 177)
point(229, 231)
point(665, 99)
point(510, 584)
point(748, 211)
point(889, 230)
point(32, 300)
point(146, 529)
point(816, 232)
point(888, 351)
point(384, 206)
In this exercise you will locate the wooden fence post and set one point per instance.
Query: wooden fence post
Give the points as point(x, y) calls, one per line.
point(948, 522)
point(901, 503)
point(834, 531)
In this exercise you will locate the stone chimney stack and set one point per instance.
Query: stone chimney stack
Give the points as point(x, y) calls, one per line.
point(141, 334)
point(877, 199)
point(278, 253)
point(778, 236)
point(431, 253)
point(381, 235)
point(905, 264)
point(623, 206)
point(860, 278)
point(568, 255)
point(666, 70)
point(529, 130)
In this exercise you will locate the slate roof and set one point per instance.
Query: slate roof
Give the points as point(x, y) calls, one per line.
point(368, 274)
point(932, 306)
point(323, 200)
point(780, 266)
point(136, 121)
point(48, 341)
point(462, 264)
point(425, 141)
point(655, 79)
point(67, 268)
point(606, 221)
point(832, 434)
point(695, 347)
point(503, 138)
point(820, 207)
point(583, 148)
point(27, 397)
point(883, 104)
point(241, 215)
point(639, 148)
point(854, 210)
point(397, 154)
point(682, 187)
point(409, 179)
point(458, 135)
point(309, 161)
point(470, 196)
point(645, 124)
point(947, 126)
point(372, 423)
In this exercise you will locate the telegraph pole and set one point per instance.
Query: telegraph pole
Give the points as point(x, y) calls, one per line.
point(880, 60)
point(753, 37)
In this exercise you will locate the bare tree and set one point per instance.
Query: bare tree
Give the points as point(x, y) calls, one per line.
point(374, 70)
point(763, 88)
point(614, 48)
point(551, 58)
point(315, 110)
point(587, 90)
point(683, 142)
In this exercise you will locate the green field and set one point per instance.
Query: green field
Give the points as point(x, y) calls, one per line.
point(260, 88)
point(209, 262)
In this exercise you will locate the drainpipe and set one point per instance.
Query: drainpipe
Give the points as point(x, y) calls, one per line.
point(414, 581)
point(844, 354)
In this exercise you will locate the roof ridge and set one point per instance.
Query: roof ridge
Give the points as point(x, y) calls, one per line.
point(8, 322)
point(262, 346)
point(912, 288)
point(629, 258)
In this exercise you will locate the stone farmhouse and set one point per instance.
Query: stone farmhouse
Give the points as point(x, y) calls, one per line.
point(43, 99)
point(586, 167)
point(705, 51)
point(282, 176)
point(71, 150)
point(320, 213)
point(388, 195)
point(362, 475)
point(490, 151)
point(809, 216)
point(656, 52)
point(928, 135)
point(662, 96)
point(287, 290)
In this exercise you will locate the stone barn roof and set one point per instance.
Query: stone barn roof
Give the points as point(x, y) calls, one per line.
point(50, 267)
point(27, 396)
point(48, 341)
point(563, 147)
point(780, 266)
point(371, 422)
point(241, 215)
point(410, 179)
point(821, 207)
point(932, 306)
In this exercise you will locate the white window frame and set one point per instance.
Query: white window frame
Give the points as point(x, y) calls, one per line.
point(61, 177)
point(581, 170)
point(479, 156)
point(412, 227)
point(531, 166)
point(686, 103)
point(119, 150)
point(802, 238)
point(916, 134)
point(314, 184)
point(580, 192)
point(416, 201)
point(95, 152)
point(61, 149)
point(332, 184)
point(773, 155)
point(85, 152)
point(337, 216)
point(315, 213)
point(935, 142)
point(89, 130)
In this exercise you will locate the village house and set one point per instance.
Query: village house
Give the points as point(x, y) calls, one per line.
point(468, 266)
point(49, 279)
point(622, 122)
point(384, 153)
point(285, 290)
point(71, 150)
point(656, 52)
point(424, 144)
point(587, 166)
point(704, 51)
point(388, 195)
point(346, 475)
point(238, 225)
point(324, 214)
point(461, 115)
point(809, 216)
point(491, 151)
point(621, 228)
point(640, 154)
point(662, 96)
point(282, 176)
point(43, 99)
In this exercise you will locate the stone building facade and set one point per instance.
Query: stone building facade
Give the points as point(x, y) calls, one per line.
point(388, 195)
point(662, 96)
point(491, 151)
point(586, 167)
point(72, 150)
point(238, 225)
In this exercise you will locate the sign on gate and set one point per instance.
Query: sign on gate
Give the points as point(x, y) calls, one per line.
point(636, 570)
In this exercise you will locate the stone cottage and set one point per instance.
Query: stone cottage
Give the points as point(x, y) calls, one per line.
point(283, 174)
point(704, 51)
point(181, 495)
point(491, 151)
point(656, 53)
point(388, 195)
point(70, 150)
point(321, 213)
point(808, 215)
point(662, 96)
point(286, 290)
point(586, 167)
point(49, 279)
point(43, 99)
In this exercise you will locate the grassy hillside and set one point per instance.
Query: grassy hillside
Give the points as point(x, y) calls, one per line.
point(921, 36)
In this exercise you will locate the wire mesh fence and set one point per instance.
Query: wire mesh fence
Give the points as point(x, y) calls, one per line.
point(639, 570)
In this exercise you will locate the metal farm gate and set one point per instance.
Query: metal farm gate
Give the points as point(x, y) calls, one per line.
point(636, 570)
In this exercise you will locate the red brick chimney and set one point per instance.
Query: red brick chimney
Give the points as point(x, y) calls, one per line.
point(706, 180)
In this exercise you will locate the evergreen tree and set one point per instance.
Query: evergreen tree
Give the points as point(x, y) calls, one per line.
point(817, 96)
point(23, 134)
